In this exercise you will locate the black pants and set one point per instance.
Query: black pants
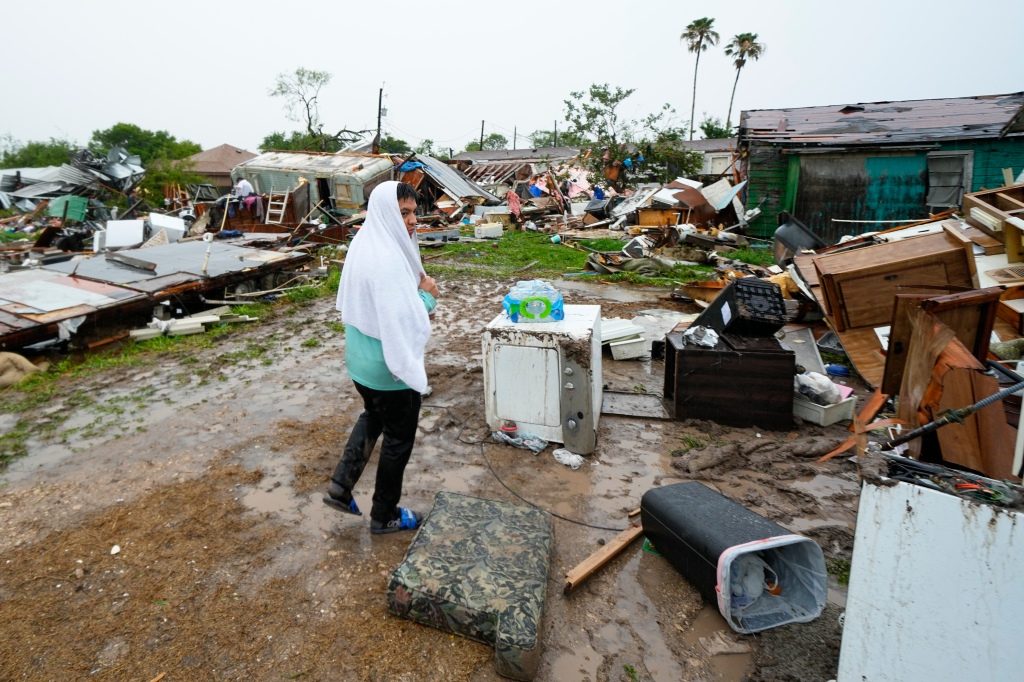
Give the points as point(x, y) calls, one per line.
point(396, 414)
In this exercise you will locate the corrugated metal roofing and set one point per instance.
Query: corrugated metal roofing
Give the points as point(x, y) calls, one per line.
point(333, 164)
point(503, 155)
point(453, 181)
point(494, 173)
point(907, 122)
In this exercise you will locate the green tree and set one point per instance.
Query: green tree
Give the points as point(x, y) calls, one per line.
point(712, 129)
point(699, 35)
point(295, 141)
point(393, 145)
point(491, 142)
point(300, 91)
point(744, 46)
point(546, 138)
point(35, 154)
point(150, 145)
point(616, 140)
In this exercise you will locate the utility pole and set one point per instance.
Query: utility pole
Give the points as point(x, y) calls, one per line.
point(556, 133)
point(515, 136)
point(481, 135)
point(376, 140)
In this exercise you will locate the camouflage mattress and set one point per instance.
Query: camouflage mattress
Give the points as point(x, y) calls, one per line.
point(479, 568)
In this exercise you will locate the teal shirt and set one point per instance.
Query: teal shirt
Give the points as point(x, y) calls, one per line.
point(364, 356)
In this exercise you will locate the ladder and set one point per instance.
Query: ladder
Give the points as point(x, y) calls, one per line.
point(276, 205)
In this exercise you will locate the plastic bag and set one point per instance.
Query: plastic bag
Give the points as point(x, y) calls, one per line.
point(534, 444)
point(701, 336)
point(817, 388)
point(567, 458)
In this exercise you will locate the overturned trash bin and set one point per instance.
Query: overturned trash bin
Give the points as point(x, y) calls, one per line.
point(758, 573)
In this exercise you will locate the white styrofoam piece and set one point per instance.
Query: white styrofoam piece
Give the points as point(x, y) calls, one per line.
point(488, 230)
point(521, 371)
point(628, 349)
point(174, 227)
point(125, 233)
point(617, 328)
point(936, 591)
point(824, 415)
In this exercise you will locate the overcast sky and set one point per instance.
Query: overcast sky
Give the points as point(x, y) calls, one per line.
point(202, 70)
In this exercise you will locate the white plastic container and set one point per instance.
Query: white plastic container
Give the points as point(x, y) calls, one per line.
point(488, 231)
point(823, 415)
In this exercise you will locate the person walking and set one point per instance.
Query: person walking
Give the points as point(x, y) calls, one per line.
point(386, 301)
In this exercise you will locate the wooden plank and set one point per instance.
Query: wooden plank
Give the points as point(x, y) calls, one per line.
point(860, 346)
point(871, 408)
point(927, 341)
point(900, 329)
point(578, 575)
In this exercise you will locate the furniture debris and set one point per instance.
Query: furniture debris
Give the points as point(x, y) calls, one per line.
point(479, 569)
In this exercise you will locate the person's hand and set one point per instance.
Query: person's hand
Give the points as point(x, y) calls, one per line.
point(428, 285)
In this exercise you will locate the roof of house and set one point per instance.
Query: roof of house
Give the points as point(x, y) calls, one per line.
point(220, 159)
point(907, 122)
point(454, 181)
point(725, 144)
point(504, 155)
point(323, 163)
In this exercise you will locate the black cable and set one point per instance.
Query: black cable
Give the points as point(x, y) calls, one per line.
point(494, 473)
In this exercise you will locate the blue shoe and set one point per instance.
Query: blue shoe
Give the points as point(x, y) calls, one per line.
point(406, 520)
point(336, 499)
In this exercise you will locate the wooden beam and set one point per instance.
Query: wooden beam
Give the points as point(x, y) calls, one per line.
point(595, 561)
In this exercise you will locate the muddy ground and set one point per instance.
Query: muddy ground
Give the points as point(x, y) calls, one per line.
point(206, 471)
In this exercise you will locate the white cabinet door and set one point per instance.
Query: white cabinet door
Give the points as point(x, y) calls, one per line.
point(526, 384)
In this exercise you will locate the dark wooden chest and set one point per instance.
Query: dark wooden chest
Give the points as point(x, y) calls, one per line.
point(740, 382)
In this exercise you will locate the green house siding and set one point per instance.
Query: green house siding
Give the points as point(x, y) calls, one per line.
point(990, 158)
point(766, 187)
point(868, 185)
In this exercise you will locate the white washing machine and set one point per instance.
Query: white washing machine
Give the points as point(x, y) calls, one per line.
point(546, 376)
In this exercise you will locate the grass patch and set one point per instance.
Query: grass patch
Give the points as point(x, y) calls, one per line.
point(503, 258)
point(762, 257)
point(604, 245)
point(311, 343)
point(336, 327)
point(666, 278)
point(13, 444)
point(840, 568)
point(254, 309)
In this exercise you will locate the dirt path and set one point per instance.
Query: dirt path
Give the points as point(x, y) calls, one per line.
point(207, 471)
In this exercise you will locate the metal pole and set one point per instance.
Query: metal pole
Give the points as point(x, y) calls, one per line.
point(515, 136)
point(380, 102)
point(556, 133)
point(481, 135)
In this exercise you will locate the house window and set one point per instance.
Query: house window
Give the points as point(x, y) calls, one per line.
point(950, 174)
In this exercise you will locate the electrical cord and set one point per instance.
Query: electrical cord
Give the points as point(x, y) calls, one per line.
point(494, 473)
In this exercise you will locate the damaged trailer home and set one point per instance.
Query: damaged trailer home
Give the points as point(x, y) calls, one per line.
point(849, 169)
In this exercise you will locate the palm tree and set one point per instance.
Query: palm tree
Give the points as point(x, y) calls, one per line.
point(698, 35)
point(744, 46)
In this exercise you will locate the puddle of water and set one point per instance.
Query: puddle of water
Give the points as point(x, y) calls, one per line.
point(837, 596)
point(579, 664)
point(803, 524)
point(658, 658)
point(274, 494)
point(729, 667)
point(823, 485)
point(610, 292)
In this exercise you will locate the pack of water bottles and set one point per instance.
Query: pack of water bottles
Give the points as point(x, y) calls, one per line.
point(534, 301)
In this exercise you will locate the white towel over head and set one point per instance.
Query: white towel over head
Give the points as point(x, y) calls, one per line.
point(379, 294)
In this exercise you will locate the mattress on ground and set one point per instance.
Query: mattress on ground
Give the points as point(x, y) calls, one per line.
point(479, 568)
